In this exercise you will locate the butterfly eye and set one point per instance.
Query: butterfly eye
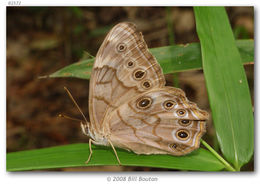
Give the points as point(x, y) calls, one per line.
point(139, 74)
point(184, 122)
point(182, 134)
point(121, 47)
point(144, 103)
point(181, 112)
point(146, 84)
point(169, 104)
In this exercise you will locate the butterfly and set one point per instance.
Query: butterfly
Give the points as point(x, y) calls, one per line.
point(129, 105)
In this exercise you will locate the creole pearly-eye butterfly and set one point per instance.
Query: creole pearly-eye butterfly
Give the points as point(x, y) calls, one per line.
point(129, 105)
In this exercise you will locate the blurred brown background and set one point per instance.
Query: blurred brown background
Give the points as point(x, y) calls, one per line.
point(41, 40)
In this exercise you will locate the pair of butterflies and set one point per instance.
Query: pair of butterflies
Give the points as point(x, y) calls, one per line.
point(129, 105)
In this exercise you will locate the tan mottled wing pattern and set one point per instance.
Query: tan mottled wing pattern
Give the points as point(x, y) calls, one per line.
point(160, 121)
point(123, 68)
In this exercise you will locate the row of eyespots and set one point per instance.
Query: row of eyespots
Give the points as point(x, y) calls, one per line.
point(182, 134)
point(138, 74)
point(146, 102)
point(168, 105)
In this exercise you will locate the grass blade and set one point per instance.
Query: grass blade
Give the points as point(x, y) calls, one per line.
point(227, 85)
point(75, 155)
point(171, 58)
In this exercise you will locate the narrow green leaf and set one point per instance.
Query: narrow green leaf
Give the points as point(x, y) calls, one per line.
point(76, 154)
point(227, 85)
point(171, 58)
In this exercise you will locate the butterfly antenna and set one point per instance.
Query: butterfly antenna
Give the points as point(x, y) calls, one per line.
point(68, 117)
point(76, 104)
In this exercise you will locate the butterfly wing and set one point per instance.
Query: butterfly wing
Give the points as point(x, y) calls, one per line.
point(123, 68)
point(160, 121)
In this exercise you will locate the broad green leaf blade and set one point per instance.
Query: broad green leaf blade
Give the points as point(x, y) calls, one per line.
point(227, 85)
point(76, 154)
point(171, 58)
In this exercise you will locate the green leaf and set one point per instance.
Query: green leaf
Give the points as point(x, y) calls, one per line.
point(75, 155)
point(171, 58)
point(227, 85)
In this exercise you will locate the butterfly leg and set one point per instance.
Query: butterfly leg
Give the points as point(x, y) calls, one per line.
point(115, 152)
point(90, 150)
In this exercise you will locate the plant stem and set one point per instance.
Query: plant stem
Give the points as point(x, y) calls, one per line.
point(170, 26)
point(222, 160)
point(171, 41)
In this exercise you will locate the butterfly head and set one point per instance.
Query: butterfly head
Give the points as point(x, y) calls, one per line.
point(85, 128)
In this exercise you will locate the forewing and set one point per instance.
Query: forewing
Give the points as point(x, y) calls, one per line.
point(123, 68)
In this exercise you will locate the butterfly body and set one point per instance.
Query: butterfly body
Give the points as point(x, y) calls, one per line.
point(130, 106)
